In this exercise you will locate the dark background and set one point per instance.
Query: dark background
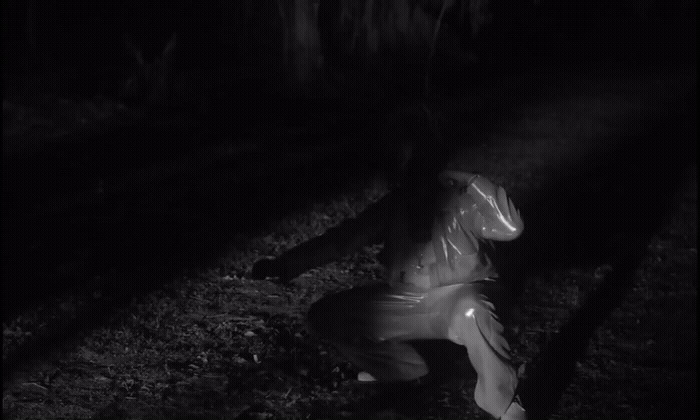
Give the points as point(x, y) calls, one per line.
point(81, 45)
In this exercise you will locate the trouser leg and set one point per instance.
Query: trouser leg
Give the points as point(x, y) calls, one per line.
point(371, 326)
point(474, 324)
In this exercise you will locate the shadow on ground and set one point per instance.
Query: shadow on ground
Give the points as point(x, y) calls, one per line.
point(64, 236)
point(602, 211)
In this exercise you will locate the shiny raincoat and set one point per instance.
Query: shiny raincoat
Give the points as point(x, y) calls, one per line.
point(438, 283)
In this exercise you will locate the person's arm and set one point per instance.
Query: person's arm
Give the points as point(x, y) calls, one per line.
point(347, 237)
point(484, 207)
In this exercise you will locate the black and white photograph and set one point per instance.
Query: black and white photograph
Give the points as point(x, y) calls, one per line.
point(349, 209)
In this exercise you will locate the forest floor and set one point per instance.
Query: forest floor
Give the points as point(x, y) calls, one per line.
point(215, 344)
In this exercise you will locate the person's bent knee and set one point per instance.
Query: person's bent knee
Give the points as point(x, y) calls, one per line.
point(468, 310)
point(470, 301)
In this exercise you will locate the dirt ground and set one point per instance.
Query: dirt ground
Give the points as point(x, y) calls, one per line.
point(603, 320)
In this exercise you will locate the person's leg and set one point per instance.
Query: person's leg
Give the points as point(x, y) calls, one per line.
point(473, 323)
point(370, 326)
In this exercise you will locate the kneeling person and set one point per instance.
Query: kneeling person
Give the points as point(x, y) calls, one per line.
point(438, 286)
